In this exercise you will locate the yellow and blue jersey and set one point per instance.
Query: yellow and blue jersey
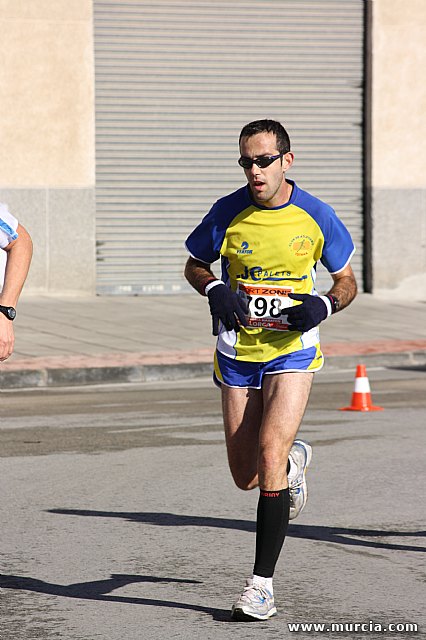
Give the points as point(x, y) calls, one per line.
point(265, 254)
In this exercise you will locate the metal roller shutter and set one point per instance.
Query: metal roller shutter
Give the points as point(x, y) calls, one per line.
point(175, 82)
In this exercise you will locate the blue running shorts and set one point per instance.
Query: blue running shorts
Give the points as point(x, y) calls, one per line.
point(238, 373)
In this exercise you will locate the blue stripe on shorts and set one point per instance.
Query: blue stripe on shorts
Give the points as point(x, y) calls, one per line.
point(237, 373)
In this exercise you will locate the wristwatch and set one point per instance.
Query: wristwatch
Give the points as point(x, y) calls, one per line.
point(9, 312)
point(335, 302)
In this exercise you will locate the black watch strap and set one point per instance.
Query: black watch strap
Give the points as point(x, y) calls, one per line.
point(9, 312)
point(335, 303)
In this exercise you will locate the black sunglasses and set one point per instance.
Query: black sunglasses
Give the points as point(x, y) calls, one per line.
point(262, 161)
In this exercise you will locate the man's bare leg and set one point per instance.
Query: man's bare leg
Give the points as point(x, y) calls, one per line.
point(284, 400)
point(242, 418)
point(285, 397)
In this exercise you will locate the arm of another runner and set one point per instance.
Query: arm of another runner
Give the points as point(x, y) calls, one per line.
point(225, 304)
point(19, 253)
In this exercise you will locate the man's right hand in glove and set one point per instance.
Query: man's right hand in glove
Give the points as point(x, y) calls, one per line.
point(227, 306)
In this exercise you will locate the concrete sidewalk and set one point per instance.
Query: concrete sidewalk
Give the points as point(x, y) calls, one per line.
point(69, 341)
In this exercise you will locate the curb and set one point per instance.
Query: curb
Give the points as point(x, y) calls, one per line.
point(404, 359)
point(77, 376)
point(44, 377)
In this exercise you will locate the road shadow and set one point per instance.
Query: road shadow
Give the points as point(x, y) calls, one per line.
point(100, 590)
point(409, 367)
point(337, 535)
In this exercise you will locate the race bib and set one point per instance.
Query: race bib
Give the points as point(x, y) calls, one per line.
point(267, 305)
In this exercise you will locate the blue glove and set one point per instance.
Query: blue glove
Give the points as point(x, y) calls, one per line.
point(307, 315)
point(227, 306)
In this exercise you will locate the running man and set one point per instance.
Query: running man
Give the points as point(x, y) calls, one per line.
point(265, 311)
point(17, 244)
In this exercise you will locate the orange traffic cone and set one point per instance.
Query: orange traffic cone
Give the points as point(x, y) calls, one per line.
point(361, 397)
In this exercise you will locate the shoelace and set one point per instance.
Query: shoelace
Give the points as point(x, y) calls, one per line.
point(293, 490)
point(257, 591)
point(297, 481)
point(296, 485)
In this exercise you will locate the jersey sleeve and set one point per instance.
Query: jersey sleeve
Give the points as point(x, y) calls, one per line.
point(8, 226)
point(338, 245)
point(204, 242)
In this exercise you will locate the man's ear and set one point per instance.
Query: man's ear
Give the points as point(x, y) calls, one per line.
point(288, 159)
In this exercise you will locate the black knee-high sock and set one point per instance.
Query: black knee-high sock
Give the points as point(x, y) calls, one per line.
point(272, 522)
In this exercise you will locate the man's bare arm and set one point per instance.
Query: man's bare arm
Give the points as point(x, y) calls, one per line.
point(198, 274)
point(344, 287)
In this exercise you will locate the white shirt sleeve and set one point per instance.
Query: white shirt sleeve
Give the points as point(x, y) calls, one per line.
point(8, 226)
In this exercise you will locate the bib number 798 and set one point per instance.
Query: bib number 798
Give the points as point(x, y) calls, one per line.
point(267, 305)
point(264, 306)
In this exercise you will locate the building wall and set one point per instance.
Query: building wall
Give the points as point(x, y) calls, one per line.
point(398, 147)
point(47, 164)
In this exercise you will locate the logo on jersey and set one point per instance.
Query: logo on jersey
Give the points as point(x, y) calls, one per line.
point(257, 274)
point(301, 245)
point(245, 248)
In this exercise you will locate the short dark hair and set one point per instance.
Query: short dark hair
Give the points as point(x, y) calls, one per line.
point(268, 126)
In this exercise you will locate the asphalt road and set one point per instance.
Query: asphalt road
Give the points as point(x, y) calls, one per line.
point(119, 519)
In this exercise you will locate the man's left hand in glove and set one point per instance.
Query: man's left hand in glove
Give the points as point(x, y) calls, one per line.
point(309, 314)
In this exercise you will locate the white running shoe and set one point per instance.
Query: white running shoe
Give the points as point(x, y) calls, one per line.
point(301, 455)
point(255, 603)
